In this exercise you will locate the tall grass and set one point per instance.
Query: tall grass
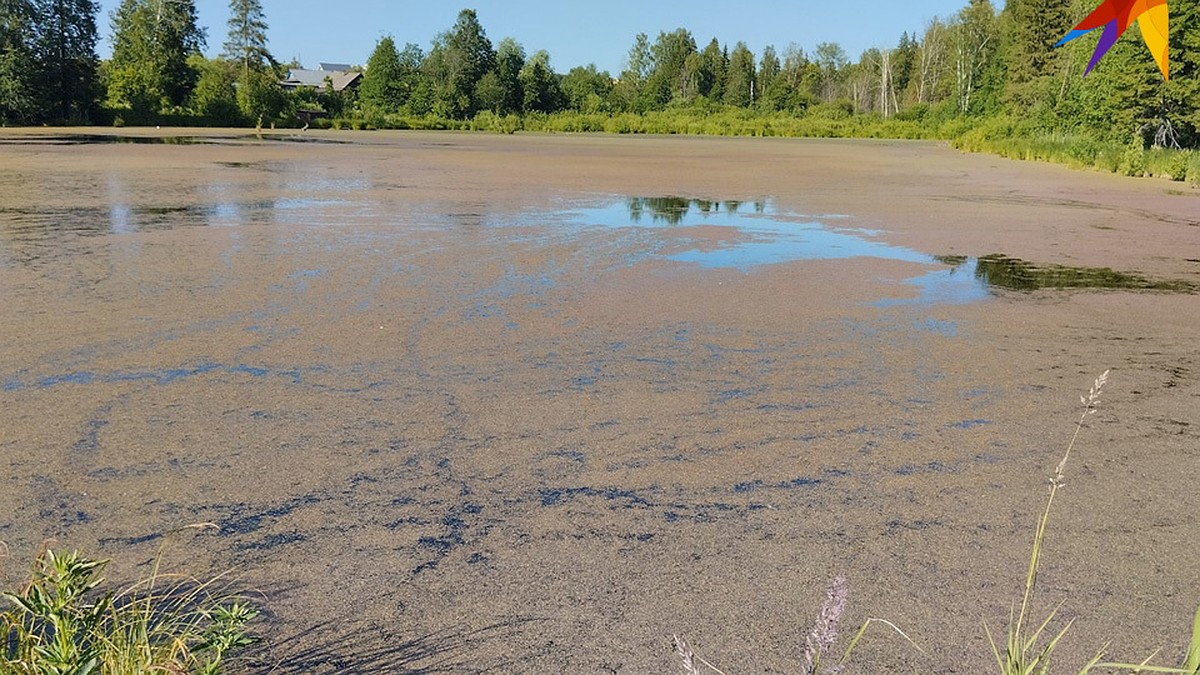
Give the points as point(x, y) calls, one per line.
point(62, 623)
point(1084, 152)
point(1027, 650)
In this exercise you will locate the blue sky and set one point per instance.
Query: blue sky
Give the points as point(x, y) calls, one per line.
point(575, 33)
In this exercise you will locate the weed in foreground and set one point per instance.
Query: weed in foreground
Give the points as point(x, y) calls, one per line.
point(1026, 652)
point(818, 643)
point(61, 624)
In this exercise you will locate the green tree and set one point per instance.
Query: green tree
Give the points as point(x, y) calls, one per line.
point(510, 59)
point(65, 58)
point(713, 69)
point(17, 92)
point(215, 95)
point(1184, 88)
point(259, 97)
point(246, 45)
point(459, 59)
point(769, 68)
point(975, 43)
point(539, 85)
point(831, 62)
point(150, 72)
point(740, 85)
point(586, 89)
point(1032, 27)
point(904, 61)
point(629, 92)
point(383, 88)
point(247, 39)
point(668, 77)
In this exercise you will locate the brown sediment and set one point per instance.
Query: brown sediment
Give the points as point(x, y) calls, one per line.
point(441, 426)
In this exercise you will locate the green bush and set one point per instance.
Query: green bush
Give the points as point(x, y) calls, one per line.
point(62, 622)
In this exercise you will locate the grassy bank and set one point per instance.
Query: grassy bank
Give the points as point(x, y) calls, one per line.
point(1078, 151)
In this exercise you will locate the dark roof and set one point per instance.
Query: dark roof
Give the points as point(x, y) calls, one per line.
point(333, 66)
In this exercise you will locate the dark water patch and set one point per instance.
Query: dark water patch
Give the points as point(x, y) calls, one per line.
point(81, 377)
point(759, 484)
point(130, 541)
point(271, 541)
point(727, 395)
point(629, 499)
point(56, 504)
point(573, 455)
point(897, 525)
point(787, 407)
point(455, 527)
point(296, 138)
point(748, 486)
point(969, 424)
point(1001, 271)
point(90, 442)
point(51, 224)
point(167, 376)
point(245, 518)
point(109, 139)
point(931, 467)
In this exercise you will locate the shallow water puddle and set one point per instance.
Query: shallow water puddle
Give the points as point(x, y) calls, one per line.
point(763, 235)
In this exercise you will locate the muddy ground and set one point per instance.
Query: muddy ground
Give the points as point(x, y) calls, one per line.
point(444, 426)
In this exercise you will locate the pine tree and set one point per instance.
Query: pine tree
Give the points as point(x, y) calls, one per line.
point(382, 87)
point(65, 58)
point(247, 40)
point(740, 85)
point(1032, 28)
point(1184, 88)
point(17, 91)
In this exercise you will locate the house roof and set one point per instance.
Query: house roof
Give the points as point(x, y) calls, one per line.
point(300, 77)
point(333, 66)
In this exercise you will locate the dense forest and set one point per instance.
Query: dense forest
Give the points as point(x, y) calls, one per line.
point(981, 76)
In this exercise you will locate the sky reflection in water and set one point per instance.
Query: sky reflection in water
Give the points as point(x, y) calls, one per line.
point(764, 236)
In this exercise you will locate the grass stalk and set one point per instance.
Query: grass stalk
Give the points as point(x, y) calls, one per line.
point(1025, 652)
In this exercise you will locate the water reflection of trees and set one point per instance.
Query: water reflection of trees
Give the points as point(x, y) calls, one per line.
point(1005, 272)
point(673, 210)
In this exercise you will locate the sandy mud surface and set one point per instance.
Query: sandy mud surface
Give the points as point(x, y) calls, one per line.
point(455, 409)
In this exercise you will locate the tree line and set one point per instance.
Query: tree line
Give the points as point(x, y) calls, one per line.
point(983, 65)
